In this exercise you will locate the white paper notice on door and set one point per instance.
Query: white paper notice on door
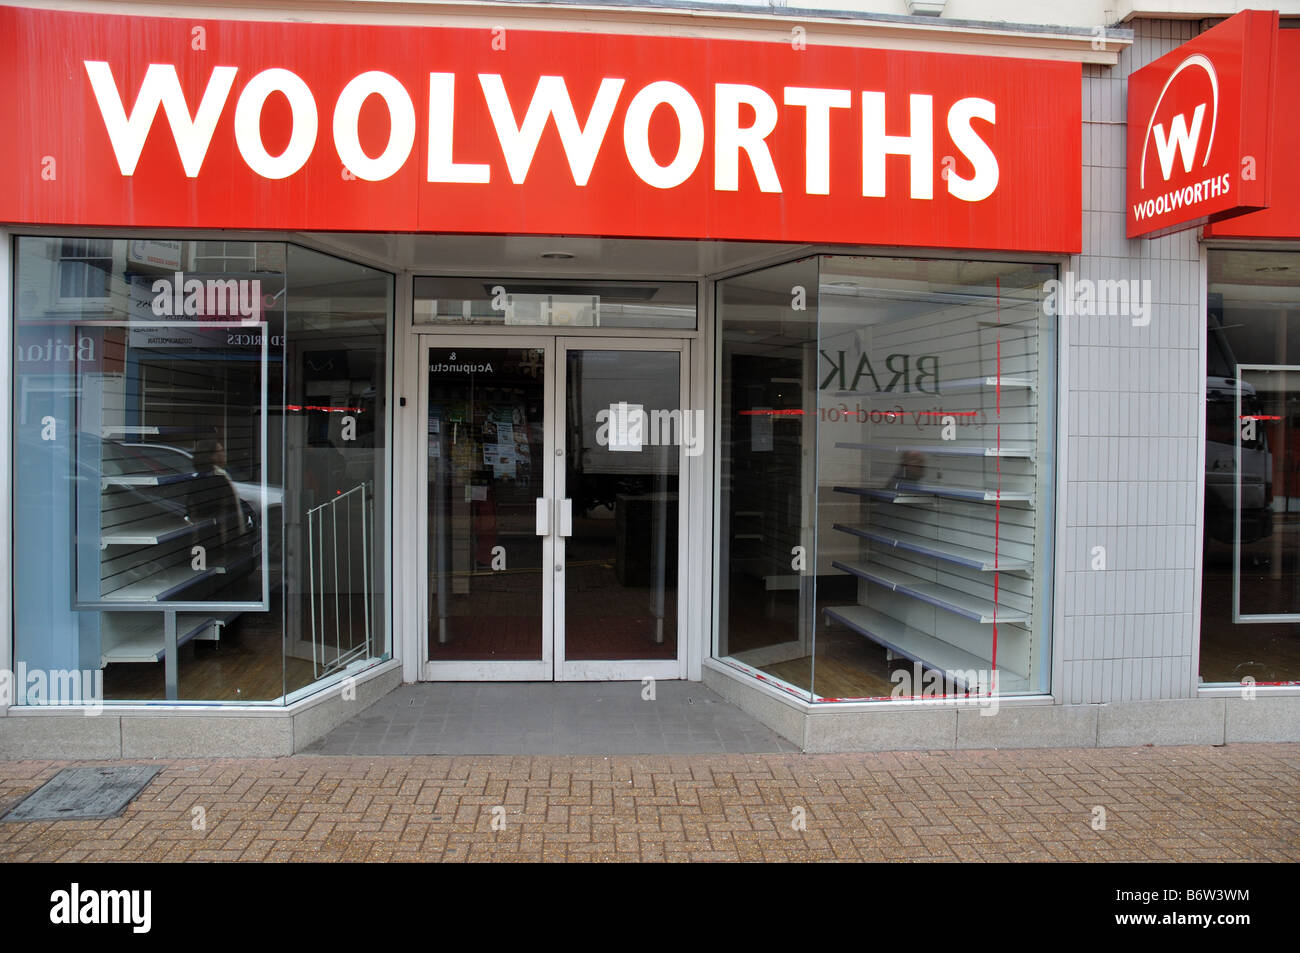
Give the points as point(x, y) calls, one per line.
point(626, 427)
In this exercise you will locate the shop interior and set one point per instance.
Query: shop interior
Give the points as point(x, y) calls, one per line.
point(1250, 595)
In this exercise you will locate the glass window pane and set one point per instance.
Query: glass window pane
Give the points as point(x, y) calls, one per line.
point(767, 432)
point(932, 470)
point(1250, 593)
point(334, 506)
point(160, 454)
point(886, 433)
point(487, 463)
point(531, 303)
point(624, 434)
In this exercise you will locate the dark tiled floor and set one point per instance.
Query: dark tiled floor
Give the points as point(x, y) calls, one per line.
point(550, 718)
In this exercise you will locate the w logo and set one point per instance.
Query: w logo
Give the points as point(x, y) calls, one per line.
point(1181, 140)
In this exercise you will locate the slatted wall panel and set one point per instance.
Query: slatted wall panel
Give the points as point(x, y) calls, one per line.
point(160, 493)
point(1135, 403)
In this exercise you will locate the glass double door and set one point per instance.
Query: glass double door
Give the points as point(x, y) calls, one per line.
point(553, 499)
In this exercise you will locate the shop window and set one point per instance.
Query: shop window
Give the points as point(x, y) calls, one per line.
point(1250, 590)
point(886, 466)
point(767, 434)
point(199, 465)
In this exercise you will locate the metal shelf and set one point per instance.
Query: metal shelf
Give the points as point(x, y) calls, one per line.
point(954, 449)
point(149, 479)
point(147, 430)
point(908, 492)
point(159, 529)
point(948, 552)
point(981, 610)
point(961, 385)
point(162, 585)
point(911, 643)
point(131, 637)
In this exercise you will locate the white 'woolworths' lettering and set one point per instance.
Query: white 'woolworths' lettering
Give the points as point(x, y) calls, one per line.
point(636, 135)
point(550, 98)
point(551, 102)
point(160, 87)
point(729, 137)
point(817, 131)
point(248, 124)
point(401, 135)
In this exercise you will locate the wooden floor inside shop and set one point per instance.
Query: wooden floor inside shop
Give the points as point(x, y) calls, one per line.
point(247, 664)
point(847, 665)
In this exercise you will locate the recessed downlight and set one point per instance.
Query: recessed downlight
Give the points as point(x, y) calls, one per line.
point(556, 255)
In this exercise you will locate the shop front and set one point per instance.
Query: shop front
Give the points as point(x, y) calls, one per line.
point(351, 354)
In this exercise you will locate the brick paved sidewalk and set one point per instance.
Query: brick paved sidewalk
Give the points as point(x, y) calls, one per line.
point(1240, 802)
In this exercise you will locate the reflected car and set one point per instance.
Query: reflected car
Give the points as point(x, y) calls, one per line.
point(1222, 431)
point(250, 500)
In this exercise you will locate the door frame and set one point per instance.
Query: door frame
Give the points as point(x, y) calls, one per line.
point(552, 666)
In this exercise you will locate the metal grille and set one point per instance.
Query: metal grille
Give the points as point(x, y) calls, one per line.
point(338, 552)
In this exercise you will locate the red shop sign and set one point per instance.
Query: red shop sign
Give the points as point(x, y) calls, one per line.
point(143, 121)
point(1198, 128)
point(1282, 217)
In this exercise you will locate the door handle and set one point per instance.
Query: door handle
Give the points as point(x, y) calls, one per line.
point(566, 517)
point(543, 516)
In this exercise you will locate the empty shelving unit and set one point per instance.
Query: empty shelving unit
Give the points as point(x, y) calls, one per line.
point(944, 470)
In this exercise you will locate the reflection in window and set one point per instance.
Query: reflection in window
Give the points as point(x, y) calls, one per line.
point(180, 409)
point(1250, 594)
point(886, 471)
point(84, 267)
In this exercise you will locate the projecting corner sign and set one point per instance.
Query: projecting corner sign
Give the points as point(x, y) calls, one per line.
point(1199, 123)
point(127, 121)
